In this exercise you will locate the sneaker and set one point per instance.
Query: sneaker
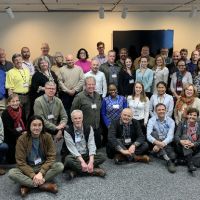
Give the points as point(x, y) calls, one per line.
point(2, 171)
point(98, 172)
point(171, 167)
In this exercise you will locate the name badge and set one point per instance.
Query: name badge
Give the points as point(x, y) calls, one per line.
point(127, 140)
point(116, 106)
point(131, 81)
point(179, 89)
point(94, 106)
point(77, 139)
point(50, 116)
point(18, 129)
point(37, 161)
point(26, 85)
point(114, 75)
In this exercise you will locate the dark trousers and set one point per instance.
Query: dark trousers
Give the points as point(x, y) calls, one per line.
point(192, 154)
point(67, 103)
point(167, 150)
point(97, 137)
point(141, 150)
point(3, 150)
point(74, 164)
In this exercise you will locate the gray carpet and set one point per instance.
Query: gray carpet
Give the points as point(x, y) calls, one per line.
point(131, 181)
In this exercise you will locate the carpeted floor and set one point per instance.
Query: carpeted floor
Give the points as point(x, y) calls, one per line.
point(135, 181)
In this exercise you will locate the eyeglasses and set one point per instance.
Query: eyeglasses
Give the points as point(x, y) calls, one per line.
point(181, 65)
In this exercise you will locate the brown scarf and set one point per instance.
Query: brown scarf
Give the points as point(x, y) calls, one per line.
point(16, 115)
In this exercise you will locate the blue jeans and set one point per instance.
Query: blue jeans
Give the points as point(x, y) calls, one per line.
point(3, 150)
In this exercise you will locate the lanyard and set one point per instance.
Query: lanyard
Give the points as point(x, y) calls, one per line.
point(22, 75)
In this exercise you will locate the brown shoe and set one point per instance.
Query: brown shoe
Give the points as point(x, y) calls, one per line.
point(49, 187)
point(2, 171)
point(24, 190)
point(98, 172)
point(144, 159)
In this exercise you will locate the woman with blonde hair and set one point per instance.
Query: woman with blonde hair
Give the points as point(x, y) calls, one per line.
point(161, 72)
point(139, 104)
point(187, 99)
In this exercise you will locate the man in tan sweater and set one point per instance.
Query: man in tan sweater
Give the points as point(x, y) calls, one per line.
point(71, 79)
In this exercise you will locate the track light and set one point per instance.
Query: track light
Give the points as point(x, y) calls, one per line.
point(124, 13)
point(101, 12)
point(10, 12)
point(193, 12)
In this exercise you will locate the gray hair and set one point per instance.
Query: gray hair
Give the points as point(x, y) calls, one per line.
point(58, 53)
point(89, 77)
point(51, 83)
point(76, 111)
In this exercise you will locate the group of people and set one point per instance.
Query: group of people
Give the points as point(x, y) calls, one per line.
point(149, 106)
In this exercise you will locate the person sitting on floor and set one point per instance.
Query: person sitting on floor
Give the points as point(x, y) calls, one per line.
point(160, 132)
point(187, 138)
point(126, 141)
point(83, 157)
point(36, 159)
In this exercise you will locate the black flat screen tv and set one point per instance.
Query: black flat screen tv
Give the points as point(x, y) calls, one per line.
point(133, 40)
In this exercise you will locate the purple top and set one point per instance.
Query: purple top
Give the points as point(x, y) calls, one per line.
point(84, 65)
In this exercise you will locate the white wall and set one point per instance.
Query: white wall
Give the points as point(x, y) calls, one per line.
point(67, 32)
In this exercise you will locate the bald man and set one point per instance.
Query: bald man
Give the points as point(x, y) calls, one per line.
point(176, 56)
point(44, 52)
point(71, 79)
point(126, 141)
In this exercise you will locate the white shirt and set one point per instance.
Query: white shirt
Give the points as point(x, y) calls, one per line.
point(30, 66)
point(167, 100)
point(140, 109)
point(101, 85)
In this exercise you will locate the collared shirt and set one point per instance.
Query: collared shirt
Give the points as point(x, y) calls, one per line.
point(18, 80)
point(101, 85)
point(90, 105)
point(140, 109)
point(113, 74)
point(146, 78)
point(164, 129)
point(112, 108)
point(30, 66)
point(80, 146)
point(167, 100)
point(101, 58)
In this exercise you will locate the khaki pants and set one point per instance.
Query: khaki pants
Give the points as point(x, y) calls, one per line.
point(18, 176)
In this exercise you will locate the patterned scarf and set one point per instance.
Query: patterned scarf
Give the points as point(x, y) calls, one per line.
point(16, 115)
point(184, 100)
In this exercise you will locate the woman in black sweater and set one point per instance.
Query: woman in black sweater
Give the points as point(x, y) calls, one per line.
point(40, 78)
point(127, 78)
point(14, 121)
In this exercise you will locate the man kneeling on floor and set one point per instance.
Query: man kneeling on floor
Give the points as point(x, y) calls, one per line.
point(35, 158)
point(160, 132)
point(82, 158)
point(126, 141)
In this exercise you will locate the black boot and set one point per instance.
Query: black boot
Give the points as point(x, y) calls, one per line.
point(191, 167)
